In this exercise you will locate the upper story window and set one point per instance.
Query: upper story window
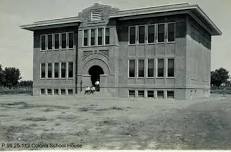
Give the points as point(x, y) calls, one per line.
point(56, 41)
point(132, 35)
point(56, 70)
point(49, 42)
point(171, 32)
point(100, 36)
point(161, 32)
point(70, 69)
point(92, 36)
point(49, 70)
point(85, 41)
point(70, 40)
point(107, 36)
point(96, 15)
point(43, 42)
point(150, 67)
point(64, 40)
point(151, 33)
point(141, 34)
point(141, 68)
point(63, 70)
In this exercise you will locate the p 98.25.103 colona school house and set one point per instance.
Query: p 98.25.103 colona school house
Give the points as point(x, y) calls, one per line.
point(159, 52)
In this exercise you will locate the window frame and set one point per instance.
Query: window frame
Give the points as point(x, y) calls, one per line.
point(62, 40)
point(58, 41)
point(168, 94)
point(68, 40)
point(131, 96)
point(154, 67)
point(138, 34)
point(152, 92)
point(135, 41)
point(71, 62)
point(61, 76)
point(41, 71)
point(154, 38)
point(87, 41)
point(105, 36)
point(102, 43)
point(134, 68)
point(157, 36)
point(157, 94)
point(157, 73)
point(44, 42)
point(138, 68)
point(168, 68)
point(174, 32)
point(143, 92)
point(93, 29)
point(55, 63)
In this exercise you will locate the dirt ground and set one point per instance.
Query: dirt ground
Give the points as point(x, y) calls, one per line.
point(71, 122)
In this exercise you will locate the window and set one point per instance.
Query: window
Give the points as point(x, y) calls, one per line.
point(49, 70)
point(92, 36)
point(141, 34)
point(85, 41)
point(43, 42)
point(150, 94)
point(170, 94)
point(49, 91)
point(151, 33)
point(56, 91)
point(141, 68)
point(49, 42)
point(70, 91)
point(64, 40)
point(170, 67)
point(140, 93)
point(160, 68)
point(70, 69)
point(131, 68)
point(56, 41)
point(131, 93)
point(171, 32)
point(43, 91)
point(63, 92)
point(56, 70)
point(160, 94)
point(160, 32)
point(63, 70)
point(43, 70)
point(70, 40)
point(107, 36)
point(150, 67)
point(132, 35)
point(100, 36)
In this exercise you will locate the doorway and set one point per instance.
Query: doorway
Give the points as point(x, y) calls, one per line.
point(95, 72)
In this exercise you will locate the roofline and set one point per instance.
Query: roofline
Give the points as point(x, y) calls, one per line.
point(168, 8)
point(53, 22)
point(126, 13)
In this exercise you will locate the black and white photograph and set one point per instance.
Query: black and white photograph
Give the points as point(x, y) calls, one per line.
point(115, 75)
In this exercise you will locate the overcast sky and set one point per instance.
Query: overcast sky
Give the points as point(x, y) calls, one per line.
point(16, 46)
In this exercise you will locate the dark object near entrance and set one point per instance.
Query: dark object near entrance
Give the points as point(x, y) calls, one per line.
point(95, 72)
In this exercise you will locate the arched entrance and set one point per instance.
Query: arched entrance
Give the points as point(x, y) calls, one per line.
point(95, 72)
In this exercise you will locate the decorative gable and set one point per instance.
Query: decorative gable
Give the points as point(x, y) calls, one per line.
point(97, 13)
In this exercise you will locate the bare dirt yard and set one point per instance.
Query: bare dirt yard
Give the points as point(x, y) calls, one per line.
point(74, 122)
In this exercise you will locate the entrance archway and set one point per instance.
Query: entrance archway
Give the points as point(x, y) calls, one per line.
point(95, 72)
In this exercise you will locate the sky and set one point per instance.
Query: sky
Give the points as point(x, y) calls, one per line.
point(16, 45)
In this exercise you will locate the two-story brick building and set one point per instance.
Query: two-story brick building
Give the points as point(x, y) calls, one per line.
point(156, 52)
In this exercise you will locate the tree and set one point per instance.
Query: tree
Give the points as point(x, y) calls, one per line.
point(219, 76)
point(2, 76)
point(12, 76)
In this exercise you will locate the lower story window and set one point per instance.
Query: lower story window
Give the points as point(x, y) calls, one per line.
point(49, 91)
point(160, 94)
point(140, 93)
point(150, 94)
point(70, 91)
point(56, 91)
point(132, 93)
point(42, 91)
point(170, 94)
point(63, 92)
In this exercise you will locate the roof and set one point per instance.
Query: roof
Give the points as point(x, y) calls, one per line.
point(193, 10)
